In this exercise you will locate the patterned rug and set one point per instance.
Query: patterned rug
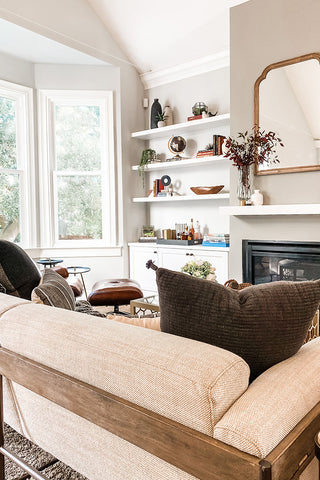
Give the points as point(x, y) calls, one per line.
point(36, 457)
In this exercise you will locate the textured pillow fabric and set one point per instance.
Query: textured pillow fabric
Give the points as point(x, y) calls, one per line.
point(54, 290)
point(18, 273)
point(263, 324)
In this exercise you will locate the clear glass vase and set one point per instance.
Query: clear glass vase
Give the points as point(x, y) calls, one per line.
point(245, 183)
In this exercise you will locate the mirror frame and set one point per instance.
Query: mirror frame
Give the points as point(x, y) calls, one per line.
point(273, 66)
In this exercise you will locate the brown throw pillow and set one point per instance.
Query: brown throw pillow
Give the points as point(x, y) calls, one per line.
point(263, 324)
point(54, 290)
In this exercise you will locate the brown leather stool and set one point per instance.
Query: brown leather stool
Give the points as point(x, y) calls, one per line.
point(114, 292)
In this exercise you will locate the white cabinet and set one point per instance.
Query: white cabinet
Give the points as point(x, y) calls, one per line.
point(173, 258)
point(146, 277)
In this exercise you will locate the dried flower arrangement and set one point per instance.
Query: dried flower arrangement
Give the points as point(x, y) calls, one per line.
point(259, 146)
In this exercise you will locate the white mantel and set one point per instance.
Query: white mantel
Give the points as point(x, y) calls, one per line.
point(299, 209)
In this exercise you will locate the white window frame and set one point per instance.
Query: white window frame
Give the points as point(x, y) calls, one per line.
point(48, 174)
point(23, 96)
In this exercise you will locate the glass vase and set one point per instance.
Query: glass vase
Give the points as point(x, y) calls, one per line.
point(245, 183)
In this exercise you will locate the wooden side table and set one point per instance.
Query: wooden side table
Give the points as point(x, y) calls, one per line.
point(317, 445)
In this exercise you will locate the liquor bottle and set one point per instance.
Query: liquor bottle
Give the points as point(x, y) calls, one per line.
point(197, 234)
point(191, 231)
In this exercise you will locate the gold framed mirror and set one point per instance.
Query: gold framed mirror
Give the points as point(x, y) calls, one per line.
point(287, 102)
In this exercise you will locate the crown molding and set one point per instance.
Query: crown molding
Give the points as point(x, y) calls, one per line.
point(185, 70)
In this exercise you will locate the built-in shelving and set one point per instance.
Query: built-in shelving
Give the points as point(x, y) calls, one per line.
point(186, 127)
point(298, 209)
point(181, 198)
point(188, 162)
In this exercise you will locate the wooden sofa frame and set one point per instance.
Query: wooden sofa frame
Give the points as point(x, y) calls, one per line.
point(191, 451)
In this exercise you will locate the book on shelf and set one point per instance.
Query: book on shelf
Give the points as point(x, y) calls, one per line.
point(204, 153)
point(194, 117)
point(217, 142)
point(157, 186)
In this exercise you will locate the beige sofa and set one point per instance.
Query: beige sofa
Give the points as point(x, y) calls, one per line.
point(153, 406)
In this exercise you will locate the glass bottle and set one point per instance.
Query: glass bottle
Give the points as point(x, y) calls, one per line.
point(191, 231)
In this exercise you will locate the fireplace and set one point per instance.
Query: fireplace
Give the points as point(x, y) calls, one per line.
point(271, 261)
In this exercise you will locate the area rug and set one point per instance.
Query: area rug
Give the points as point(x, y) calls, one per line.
point(36, 457)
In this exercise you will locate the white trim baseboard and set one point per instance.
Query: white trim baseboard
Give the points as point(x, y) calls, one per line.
point(185, 70)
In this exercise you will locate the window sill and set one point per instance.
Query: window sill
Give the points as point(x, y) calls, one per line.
point(71, 252)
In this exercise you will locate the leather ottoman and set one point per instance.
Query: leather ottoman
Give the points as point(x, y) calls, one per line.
point(115, 292)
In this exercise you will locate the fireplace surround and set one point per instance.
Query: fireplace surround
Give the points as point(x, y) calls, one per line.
point(265, 261)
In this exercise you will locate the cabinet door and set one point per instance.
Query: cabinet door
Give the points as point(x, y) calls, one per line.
point(175, 259)
point(138, 271)
point(218, 260)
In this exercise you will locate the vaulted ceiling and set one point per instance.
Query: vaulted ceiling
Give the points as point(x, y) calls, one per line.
point(164, 34)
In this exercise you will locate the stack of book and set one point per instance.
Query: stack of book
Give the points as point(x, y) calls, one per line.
point(157, 187)
point(194, 117)
point(217, 144)
point(218, 240)
point(205, 153)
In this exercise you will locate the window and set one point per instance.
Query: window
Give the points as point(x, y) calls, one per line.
point(77, 173)
point(16, 204)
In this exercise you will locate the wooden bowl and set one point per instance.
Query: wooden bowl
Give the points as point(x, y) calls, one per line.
point(207, 190)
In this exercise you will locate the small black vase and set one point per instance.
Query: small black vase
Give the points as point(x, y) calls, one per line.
point(155, 109)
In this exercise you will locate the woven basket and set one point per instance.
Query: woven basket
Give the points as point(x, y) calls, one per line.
point(235, 285)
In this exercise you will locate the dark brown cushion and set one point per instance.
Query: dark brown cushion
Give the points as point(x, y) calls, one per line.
point(18, 273)
point(54, 290)
point(263, 324)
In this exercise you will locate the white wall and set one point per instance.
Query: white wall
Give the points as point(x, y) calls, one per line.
point(16, 70)
point(212, 88)
point(270, 31)
point(75, 24)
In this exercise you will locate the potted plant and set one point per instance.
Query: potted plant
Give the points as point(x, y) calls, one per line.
point(161, 117)
point(148, 155)
point(201, 269)
point(259, 147)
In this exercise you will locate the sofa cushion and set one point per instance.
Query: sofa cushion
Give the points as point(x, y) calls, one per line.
point(274, 403)
point(18, 273)
point(191, 382)
point(263, 324)
point(54, 290)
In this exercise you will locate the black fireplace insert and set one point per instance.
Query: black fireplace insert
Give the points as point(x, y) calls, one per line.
point(271, 261)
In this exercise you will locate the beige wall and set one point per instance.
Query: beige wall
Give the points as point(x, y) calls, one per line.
point(75, 24)
point(263, 33)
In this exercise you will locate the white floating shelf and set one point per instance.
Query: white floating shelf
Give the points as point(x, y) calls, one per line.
point(186, 127)
point(299, 209)
point(182, 198)
point(183, 163)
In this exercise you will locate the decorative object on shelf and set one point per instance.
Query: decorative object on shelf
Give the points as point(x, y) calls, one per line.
point(199, 107)
point(257, 198)
point(200, 269)
point(168, 115)
point(217, 240)
point(207, 190)
point(176, 146)
point(259, 147)
point(224, 147)
point(147, 234)
point(155, 109)
point(161, 119)
point(217, 144)
point(148, 155)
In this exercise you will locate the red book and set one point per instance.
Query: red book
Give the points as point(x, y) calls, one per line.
point(194, 117)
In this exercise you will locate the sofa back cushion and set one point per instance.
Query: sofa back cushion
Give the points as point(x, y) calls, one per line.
point(263, 324)
point(191, 382)
point(54, 291)
point(274, 403)
point(18, 273)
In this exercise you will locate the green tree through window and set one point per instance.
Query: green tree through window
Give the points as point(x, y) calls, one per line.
point(9, 181)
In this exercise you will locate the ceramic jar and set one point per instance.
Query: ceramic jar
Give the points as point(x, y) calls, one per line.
point(168, 114)
point(257, 198)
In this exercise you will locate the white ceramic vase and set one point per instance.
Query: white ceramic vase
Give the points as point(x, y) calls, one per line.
point(161, 124)
point(257, 198)
point(168, 114)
